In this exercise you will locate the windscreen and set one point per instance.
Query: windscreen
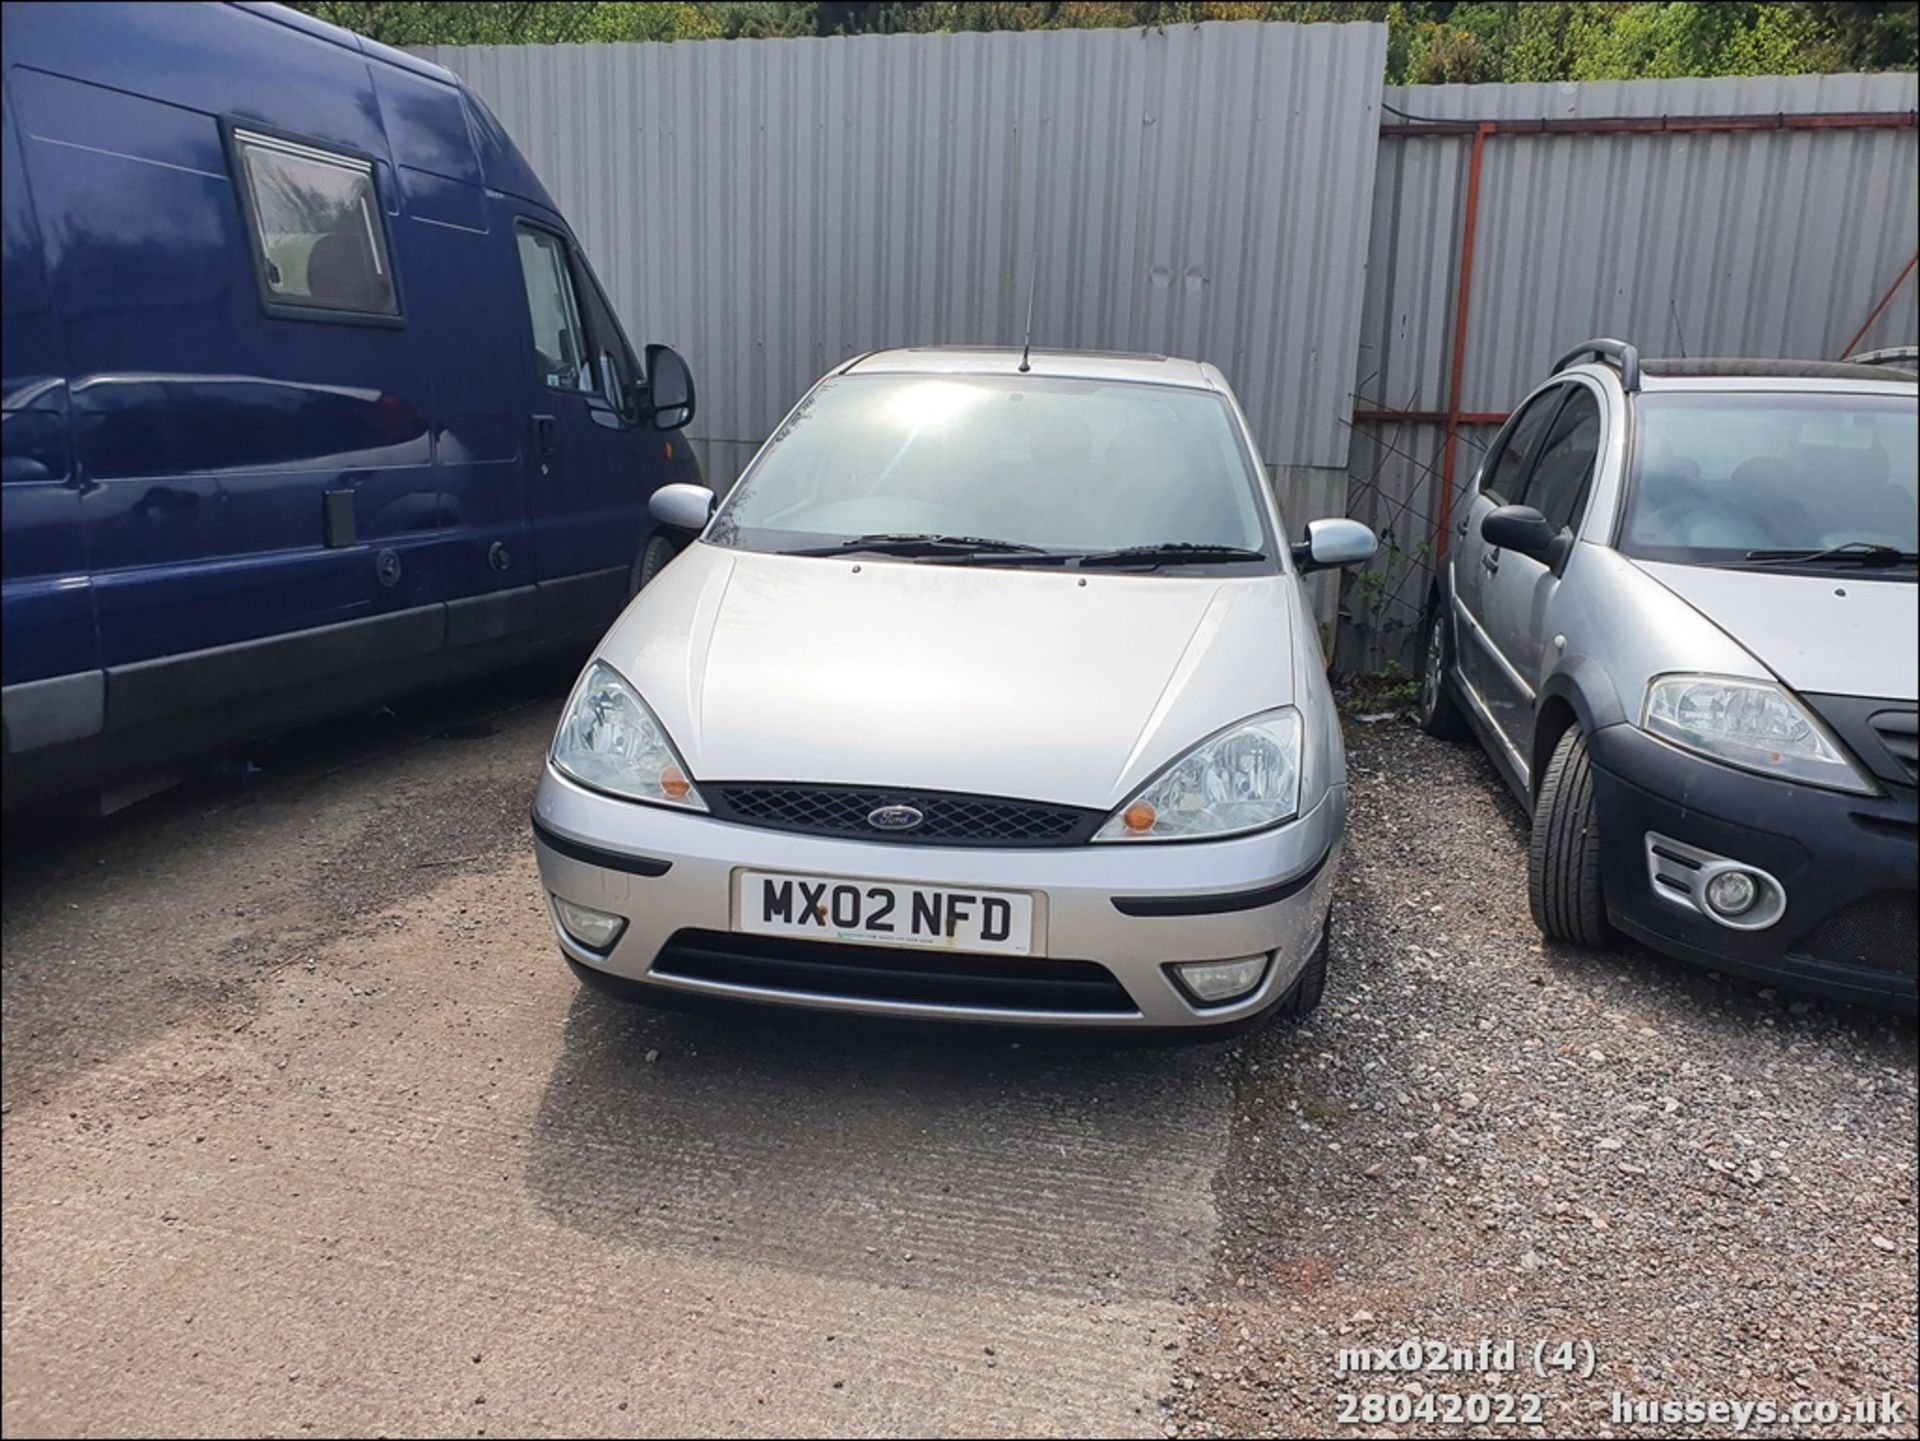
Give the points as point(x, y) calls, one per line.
point(1062, 465)
point(1718, 476)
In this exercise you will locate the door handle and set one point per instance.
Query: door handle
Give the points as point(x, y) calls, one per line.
point(1490, 561)
point(543, 441)
point(1461, 528)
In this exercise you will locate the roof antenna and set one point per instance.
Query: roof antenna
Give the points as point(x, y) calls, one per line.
point(1674, 310)
point(1026, 344)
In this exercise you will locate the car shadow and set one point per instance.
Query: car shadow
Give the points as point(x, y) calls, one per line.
point(947, 1157)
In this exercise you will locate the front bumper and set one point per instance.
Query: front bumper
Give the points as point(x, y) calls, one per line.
point(1847, 864)
point(1263, 893)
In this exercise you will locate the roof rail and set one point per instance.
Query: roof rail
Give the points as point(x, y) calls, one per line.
point(1627, 357)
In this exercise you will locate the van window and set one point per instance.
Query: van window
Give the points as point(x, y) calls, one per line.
point(559, 345)
point(611, 358)
point(317, 227)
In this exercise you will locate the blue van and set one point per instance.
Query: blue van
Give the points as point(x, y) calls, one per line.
point(310, 396)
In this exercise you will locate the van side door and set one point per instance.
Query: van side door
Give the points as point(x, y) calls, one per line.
point(463, 299)
point(588, 450)
point(54, 690)
point(249, 425)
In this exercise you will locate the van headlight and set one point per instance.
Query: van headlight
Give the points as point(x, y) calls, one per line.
point(1244, 778)
point(609, 740)
point(1752, 724)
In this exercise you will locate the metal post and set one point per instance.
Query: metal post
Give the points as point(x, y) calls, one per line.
point(1885, 300)
point(1461, 313)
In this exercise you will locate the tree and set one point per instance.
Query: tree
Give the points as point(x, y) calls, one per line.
point(1428, 41)
point(515, 22)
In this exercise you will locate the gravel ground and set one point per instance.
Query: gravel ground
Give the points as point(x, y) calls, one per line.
point(306, 1130)
point(1481, 1135)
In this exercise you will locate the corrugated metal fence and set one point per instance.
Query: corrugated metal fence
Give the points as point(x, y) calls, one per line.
point(771, 207)
point(1770, 242)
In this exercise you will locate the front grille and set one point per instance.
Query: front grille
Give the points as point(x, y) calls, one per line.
point(1883, 734)
point(947, 819)
point(1899, 732)
point(1879, 932)
point(883, 973)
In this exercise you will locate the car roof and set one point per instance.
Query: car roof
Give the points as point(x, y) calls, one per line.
point(1059, 364)
point(1901, 357)
point(1741, 369)
point(1777, 376)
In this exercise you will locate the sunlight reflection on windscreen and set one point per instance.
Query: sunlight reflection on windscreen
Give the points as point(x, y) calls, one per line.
point(930, 404)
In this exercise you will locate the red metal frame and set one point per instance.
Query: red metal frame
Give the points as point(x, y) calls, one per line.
point(1657, 124)
point(1464, 308)
point(1885, 301)
point(1483, 130)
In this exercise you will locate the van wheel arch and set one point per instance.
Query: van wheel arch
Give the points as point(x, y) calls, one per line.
point(655, 552)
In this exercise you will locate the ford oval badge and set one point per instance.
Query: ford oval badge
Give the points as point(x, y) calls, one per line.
point(894, 818)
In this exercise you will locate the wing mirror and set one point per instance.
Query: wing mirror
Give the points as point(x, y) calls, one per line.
point(1331, 544)
point(1523, 529)
point(667, 392)
point(681, 506)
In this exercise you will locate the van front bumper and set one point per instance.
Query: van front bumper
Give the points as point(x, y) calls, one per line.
point(1846, 863)
point(1132, 910)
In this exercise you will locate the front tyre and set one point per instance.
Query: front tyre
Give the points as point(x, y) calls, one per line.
point(1311, 984)
point(1439, 711)
point(1563, 859)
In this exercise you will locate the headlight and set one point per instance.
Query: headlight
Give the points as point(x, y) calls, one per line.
point(1752, 724)
point(608, 739)
point(1242, 779)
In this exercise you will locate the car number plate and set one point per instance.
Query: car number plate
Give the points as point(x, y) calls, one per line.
point(884, 913)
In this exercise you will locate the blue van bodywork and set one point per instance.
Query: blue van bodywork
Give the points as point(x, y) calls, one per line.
point(309, 395)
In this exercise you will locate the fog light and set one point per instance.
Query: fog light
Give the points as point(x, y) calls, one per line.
point(1732, 893)
point(596, 930)
point(1212, 982)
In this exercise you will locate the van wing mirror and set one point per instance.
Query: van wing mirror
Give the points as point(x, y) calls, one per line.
point(668, 389)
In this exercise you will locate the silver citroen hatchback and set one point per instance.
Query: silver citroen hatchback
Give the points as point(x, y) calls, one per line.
point(1679, 609)
point(990, 693)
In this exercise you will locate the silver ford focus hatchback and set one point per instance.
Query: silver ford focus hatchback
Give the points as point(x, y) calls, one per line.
point(989, 693)
point(1680, 609)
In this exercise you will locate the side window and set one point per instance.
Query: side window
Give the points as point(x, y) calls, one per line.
point(613, 362)
point(1500, 480)
point(559, 344)
point(1558, 488)
point(317, 230)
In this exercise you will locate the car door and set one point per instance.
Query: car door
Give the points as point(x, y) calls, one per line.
point(1475, 563)
point(1516, 591)
point(584, 484)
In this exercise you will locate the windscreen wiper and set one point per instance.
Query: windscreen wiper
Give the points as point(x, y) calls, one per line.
point(1178, 552)
point(908, 543)
point(1859, 552)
